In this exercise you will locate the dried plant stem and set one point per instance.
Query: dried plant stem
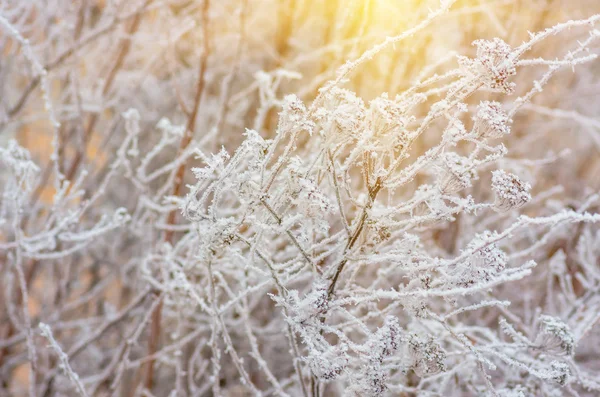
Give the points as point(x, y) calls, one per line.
point(155, 324)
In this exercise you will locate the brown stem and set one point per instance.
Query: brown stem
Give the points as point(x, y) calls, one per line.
point(191, 124)
point(357, 231)
point(155, 326)
point(10, 328)
point(124, 48)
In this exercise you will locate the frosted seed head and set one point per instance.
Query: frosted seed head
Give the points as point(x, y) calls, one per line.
point(344, 112)
point(491, 121)
point(560, 372)
point(428, 357)
point(386, 340)
point(456, 173)
point(328, 364)
point(18, 160)
point(555, 335)
point(511, 192)
point(294, 116)
point(493, 65)
point(378, 232)
point(386, 116)
point(484, 264)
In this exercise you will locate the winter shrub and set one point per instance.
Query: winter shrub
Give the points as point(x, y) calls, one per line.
point(299, 199)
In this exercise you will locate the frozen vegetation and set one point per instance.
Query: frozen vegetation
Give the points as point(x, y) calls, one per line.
point(299, 198)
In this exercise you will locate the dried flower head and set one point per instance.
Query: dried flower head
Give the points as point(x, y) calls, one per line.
point(491, 121)
point(494, 65)
point(455, 131)
point(386, 340)
point(315, 303)
point(416, 307)
point(511, 192)
point(559, 372)
point(457, 173)
point(382, 344)
point(18, 160)
point(555, 335)
point(378, 231)
point(294, 116)
point(487, 261)
point(344, 112)
point(427, 356)
point(386, 115)
point(372, 382)
point(328, 364)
